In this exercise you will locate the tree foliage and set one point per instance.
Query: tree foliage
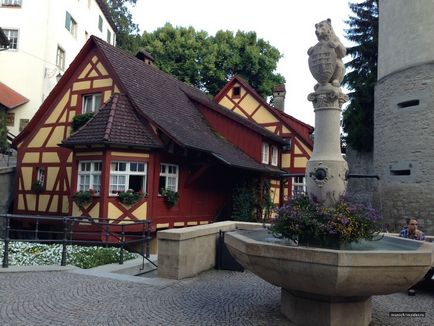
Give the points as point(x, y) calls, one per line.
point(208, 62)
point(358, 117)
point(127, 31)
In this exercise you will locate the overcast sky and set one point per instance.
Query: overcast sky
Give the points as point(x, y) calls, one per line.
point(286, 25)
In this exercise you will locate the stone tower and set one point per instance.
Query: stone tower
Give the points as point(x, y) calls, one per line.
point(279, 93)
point(404, 112)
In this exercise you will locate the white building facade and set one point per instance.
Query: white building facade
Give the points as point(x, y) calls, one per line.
point(44, 38)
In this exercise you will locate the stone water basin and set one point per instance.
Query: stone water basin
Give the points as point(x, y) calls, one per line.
point(334, 283)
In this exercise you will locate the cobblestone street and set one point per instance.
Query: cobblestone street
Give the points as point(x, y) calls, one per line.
point(212, 298)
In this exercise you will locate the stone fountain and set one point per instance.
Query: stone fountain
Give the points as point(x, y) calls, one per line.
point(324, 286)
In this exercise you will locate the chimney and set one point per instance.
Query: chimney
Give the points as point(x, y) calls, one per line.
point(279, 93)
point(146, 57)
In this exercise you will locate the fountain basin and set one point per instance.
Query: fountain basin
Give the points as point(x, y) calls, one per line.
point(333, 283)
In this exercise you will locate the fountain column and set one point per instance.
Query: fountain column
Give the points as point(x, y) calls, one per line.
point(326, 170)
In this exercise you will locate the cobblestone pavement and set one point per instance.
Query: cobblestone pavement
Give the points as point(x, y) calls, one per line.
point(213, 298)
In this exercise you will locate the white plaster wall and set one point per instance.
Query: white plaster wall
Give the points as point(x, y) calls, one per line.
point(31, 69)
point(405, 34)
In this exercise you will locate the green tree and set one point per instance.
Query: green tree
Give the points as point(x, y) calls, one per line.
point(127, 31)
point(208, 62)
point(358, 117)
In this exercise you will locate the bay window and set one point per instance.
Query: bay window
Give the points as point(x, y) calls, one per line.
point(127, 175)
point(89, 176)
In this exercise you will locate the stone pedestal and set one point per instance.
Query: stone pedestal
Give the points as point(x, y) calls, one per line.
point(309, 310)
point(326, 170)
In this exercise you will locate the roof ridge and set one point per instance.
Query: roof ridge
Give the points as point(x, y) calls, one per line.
point(111, 117)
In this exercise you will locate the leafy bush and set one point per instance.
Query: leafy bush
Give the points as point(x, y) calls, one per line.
point(130, 197)
point(80, 120)
point(82, 198)
point(170, 197)
point(308, 223)
point(32, 254)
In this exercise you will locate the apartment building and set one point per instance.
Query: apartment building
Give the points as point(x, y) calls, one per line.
point(44, 37)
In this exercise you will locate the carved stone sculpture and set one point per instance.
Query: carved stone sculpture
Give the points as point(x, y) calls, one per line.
point(326, 170)
point(325, 58)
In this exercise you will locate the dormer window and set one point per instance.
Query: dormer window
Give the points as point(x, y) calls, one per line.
point(265, 153)
point(236, 91)
point(91, 102)
point(274, 156)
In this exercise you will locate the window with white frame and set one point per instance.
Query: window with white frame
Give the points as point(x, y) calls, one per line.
point(89, 176)
point(127, 175)
point(265, 153)
point(109, 36)
point(12, 36)
point(274, 155)
point(91, 102)
point(298, 185)
point(70, 24)
point(11, 3)
point(60, 58)
point(169, 174)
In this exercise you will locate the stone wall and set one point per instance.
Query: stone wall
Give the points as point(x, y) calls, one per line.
point(404, 145)
point(7, 187)
point(361, 189)
point(7, 190)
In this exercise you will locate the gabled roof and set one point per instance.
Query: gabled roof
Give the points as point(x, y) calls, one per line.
point(165, 101)
point(116, 123)
point(156, 97)
point(9, 98)
point(299, 128)
point(234, 116)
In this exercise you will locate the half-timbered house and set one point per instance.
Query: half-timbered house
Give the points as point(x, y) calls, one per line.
point(239, 97)
point(149, 133)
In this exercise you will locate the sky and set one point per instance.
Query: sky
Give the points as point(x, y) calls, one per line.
point(287, 25)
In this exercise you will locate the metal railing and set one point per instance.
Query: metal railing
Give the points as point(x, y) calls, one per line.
point(71, 230)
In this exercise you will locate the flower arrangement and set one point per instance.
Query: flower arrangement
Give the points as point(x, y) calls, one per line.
point(83, 198)
point(130, 197)
point(308, 223)
point(37, 187)
point(170, 197)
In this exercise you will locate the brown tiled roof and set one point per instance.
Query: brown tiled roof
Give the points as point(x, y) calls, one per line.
point(163, 100)
point(116, 123)
point(9, 98)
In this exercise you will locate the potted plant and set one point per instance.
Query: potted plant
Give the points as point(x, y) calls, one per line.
point(307, 223)
point(130, 197)
point(37, 187)
point(170, 197)
point(83, 198)
point(80, 120)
